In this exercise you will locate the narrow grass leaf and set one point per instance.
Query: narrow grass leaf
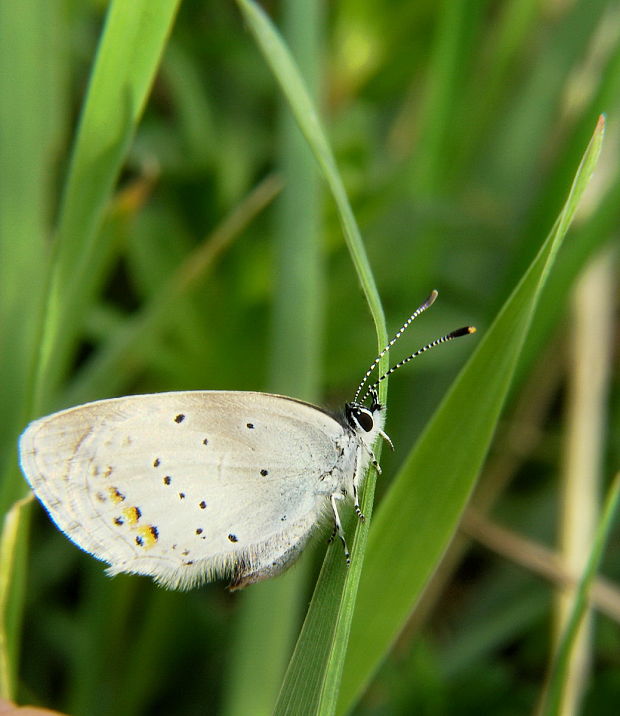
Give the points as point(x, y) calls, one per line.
point(559, 672)
point(270, 614)
point(281, 63)
point(128, 56)
point(12, 590)
point(28, 129)
point(31, 62)
point(312, 680)
point(54, 289)
point(421, 511)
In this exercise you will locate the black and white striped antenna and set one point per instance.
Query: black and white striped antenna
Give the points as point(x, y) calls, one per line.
point(466, 330)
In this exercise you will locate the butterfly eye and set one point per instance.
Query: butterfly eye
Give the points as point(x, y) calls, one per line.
point(359, 417)
point(364, 420)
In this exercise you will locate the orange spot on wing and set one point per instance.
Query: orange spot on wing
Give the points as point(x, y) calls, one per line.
point(149, 535)
point(116, 495)
point(132, 515)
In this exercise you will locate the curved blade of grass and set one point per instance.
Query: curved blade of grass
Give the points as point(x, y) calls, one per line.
point(421, 511)
point(551, 704)
point(312, 680)
point(281, 63)
point(269, 618)
point(127, 58)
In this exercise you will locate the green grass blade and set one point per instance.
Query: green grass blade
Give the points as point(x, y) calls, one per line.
point(127, 59)
point(31, 67)
point(12, 590)
point(551, 704)
point(126, 62)
point(448, 53)
point(277, 56)
point(271, 612)
point(420, 513)
point(29, 113)
point(312, 680)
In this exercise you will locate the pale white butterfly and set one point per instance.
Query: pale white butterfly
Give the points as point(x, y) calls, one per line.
point(194, 485)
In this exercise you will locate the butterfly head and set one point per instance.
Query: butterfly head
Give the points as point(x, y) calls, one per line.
point(366, 422)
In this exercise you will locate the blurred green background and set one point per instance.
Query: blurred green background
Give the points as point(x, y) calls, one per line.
point(219, 263)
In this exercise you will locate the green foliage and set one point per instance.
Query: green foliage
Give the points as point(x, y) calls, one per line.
point(165, 225)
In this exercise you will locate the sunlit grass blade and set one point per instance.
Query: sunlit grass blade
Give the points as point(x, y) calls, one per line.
point(127, 59)
point(279, 59)
point(421, 511)
point(551, 703)
point(12, 589)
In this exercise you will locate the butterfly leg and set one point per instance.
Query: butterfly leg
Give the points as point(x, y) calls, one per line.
point(356, 504)
point(373, 460)
point(357, 479)
point(333, 534)
point(338, 527)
